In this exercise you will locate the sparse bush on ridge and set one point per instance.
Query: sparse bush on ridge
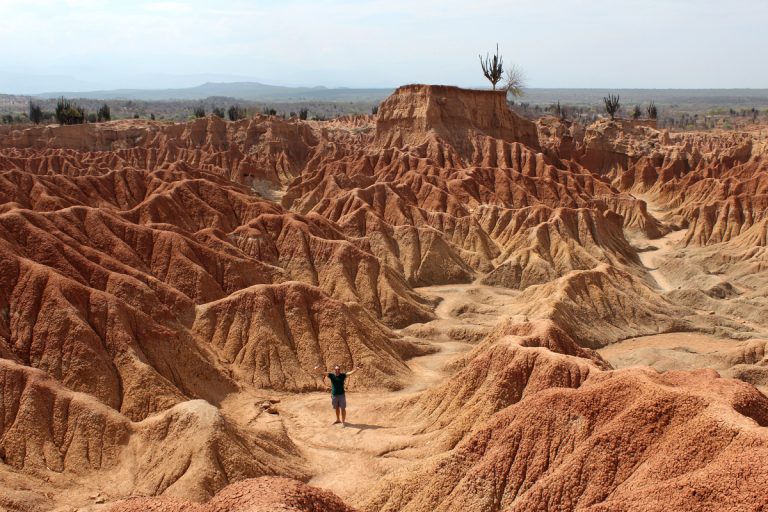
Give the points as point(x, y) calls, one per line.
point(218, 112)
point(104, 114)
point(303, 113)
point(236, 113)
point(68, 112)
point(199, 111)
point(514, 82)
point(636, 113)
point(35, 112)
point(652, 111)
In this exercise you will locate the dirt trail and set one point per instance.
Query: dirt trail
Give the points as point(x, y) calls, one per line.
point(653, 258)
point(662, 247)
point(673, 351)
point(350, 459)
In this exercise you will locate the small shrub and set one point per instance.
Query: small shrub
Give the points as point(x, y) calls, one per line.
point(199, 111)
point(636, 113)
point(558, 110)
point(236, 113)
point(92, 118)
point(303, 113)
point(218, 112)
point(104, 113)
point(653, 112)
point(375, 110)
point(515, 81)
point(35, 112)
point(69, 113)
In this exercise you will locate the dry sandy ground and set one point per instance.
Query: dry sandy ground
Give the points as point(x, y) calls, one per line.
point(652, 257)
point(349, 459)
point(657, 250)
point(671, 351)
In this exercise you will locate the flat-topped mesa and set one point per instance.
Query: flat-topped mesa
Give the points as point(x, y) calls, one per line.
point(456, 115)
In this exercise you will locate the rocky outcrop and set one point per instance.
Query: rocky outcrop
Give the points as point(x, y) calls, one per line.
point(161, 312)
point(457, 116)
point(273, 336)
point(261, 148)
point(625, 440)
point(264, 494)
point(540, 244)
point(714, 183)
point(188, 450)
point(514, 361)
point(604, 305)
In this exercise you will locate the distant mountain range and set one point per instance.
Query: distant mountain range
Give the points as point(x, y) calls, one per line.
point(258, 92)
point(249, 91)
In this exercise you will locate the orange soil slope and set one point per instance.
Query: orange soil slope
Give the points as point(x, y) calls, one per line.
point(150, 279)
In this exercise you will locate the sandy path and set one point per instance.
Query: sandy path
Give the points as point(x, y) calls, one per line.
point(349, 460)
point(662, 247)
point(672, 351)
point(652, 259)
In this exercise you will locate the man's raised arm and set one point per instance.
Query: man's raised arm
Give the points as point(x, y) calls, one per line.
point(350, 372)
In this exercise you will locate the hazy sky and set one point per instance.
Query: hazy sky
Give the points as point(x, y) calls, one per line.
point(86, 44)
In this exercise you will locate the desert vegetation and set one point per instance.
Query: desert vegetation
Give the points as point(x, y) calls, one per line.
point(236, 113)
point(35, 112)
point(68, 112)
point(652, 111)
point(493, 67)
point(104, 113)
point(612, 105)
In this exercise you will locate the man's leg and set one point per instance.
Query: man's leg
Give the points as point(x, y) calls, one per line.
point(343, 415)
point(335, 404)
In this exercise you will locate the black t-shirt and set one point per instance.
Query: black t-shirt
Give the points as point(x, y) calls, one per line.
point(337, 383)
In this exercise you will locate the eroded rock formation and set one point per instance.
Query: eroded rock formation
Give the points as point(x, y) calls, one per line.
point(167, 291)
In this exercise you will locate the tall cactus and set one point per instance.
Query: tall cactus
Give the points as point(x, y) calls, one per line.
point(612, 105)
point(653, 112)
point(493, 68)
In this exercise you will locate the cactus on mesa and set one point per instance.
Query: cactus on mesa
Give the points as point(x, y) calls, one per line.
point(493, 68)
point(612, 105)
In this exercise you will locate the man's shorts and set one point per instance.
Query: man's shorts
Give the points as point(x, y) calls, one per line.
point(339, 401)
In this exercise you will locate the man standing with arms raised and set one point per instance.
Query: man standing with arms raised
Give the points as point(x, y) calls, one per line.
point(338, 398)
